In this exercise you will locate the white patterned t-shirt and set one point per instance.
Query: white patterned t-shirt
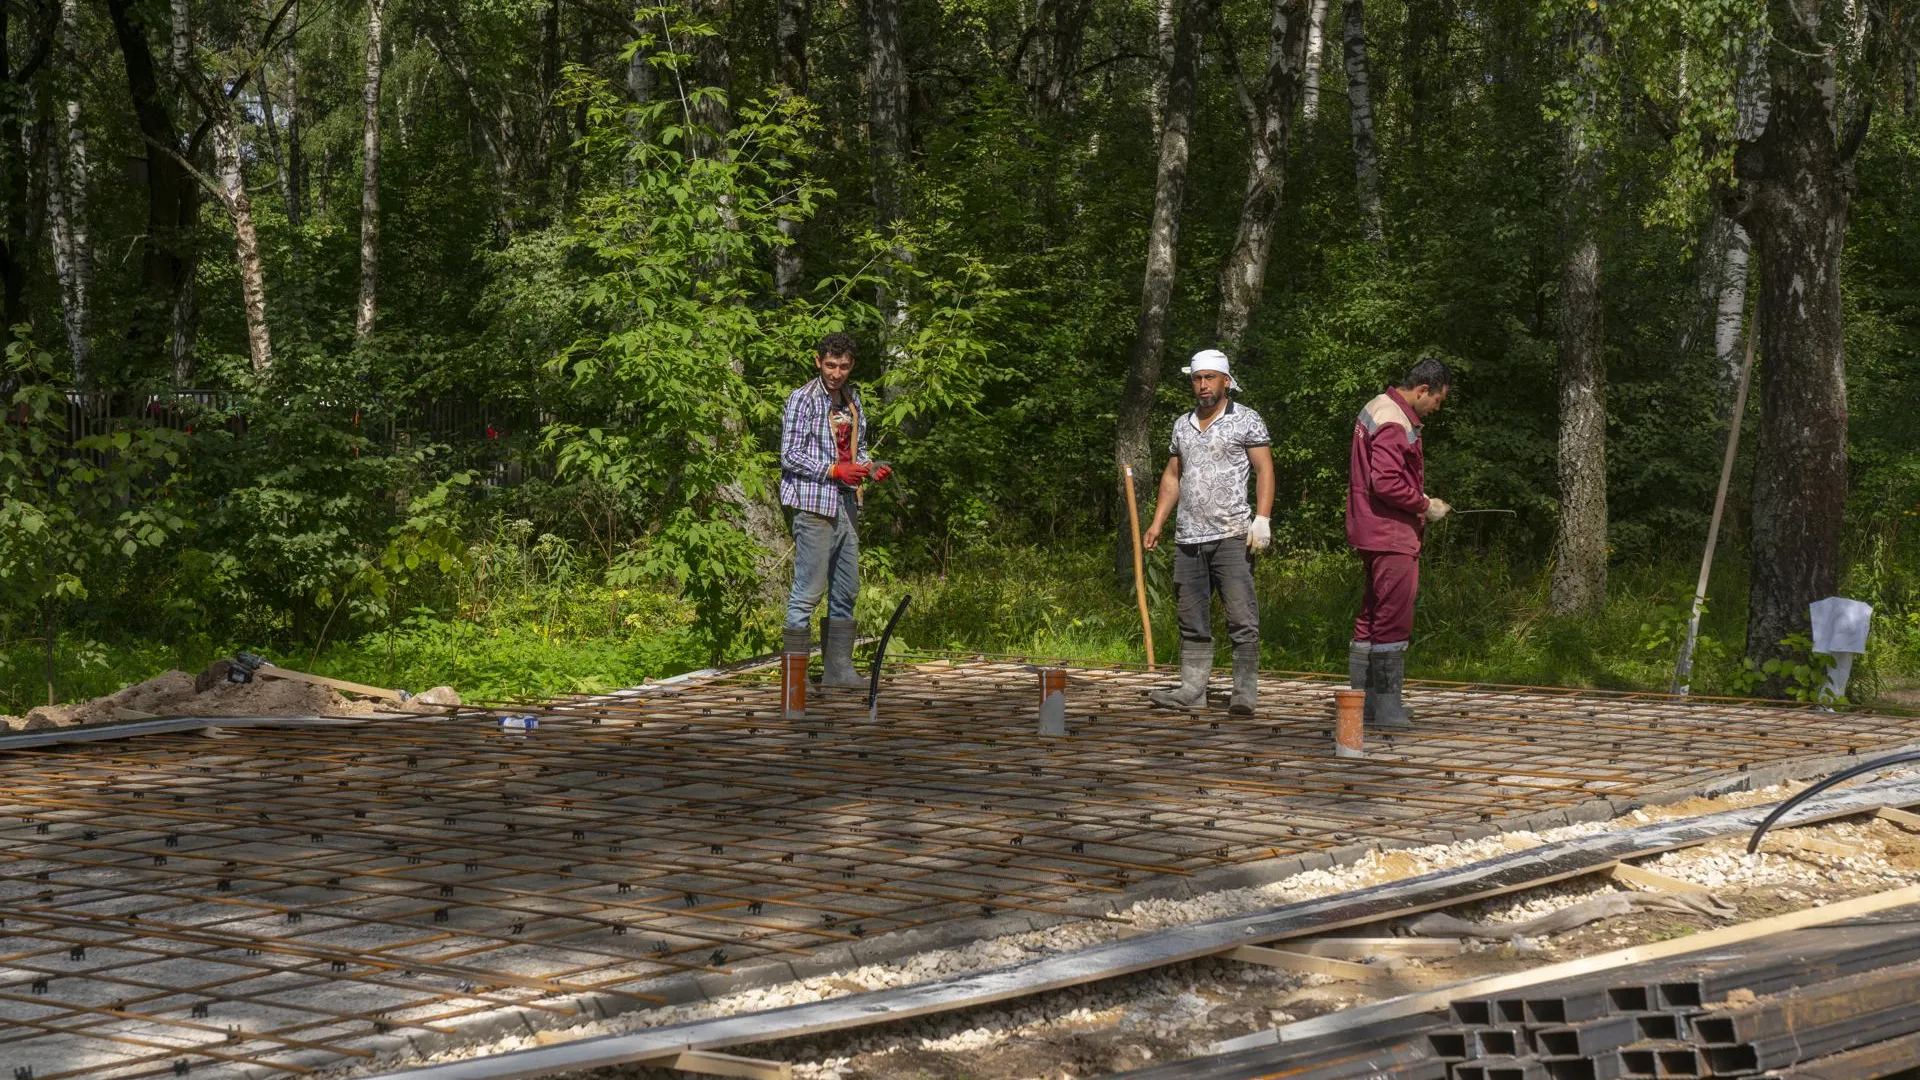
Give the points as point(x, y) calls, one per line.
point(1214, 471)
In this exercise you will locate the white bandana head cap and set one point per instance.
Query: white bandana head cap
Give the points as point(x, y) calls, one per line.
point(1212, 360)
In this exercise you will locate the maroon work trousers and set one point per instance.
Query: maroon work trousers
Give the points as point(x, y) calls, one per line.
point(1386, 610)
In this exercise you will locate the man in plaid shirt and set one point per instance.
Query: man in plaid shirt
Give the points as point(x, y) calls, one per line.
point(823, 463)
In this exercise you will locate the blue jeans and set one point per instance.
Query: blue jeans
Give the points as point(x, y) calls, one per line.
point(826, 552)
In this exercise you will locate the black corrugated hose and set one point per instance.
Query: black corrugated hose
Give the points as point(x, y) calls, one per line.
point(1840, 777)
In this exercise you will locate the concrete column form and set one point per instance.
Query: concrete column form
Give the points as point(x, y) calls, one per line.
point(1053, 700)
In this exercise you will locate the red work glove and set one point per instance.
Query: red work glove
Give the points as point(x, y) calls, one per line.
point(851, 473)
point(881, 473)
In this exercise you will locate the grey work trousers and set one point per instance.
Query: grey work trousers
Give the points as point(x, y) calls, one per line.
point(1200, 570)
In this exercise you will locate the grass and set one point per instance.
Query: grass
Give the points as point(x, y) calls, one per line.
point(1482, 617)
point(1479, 617)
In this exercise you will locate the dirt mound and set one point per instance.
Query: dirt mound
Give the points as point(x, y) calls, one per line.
point(173, 693)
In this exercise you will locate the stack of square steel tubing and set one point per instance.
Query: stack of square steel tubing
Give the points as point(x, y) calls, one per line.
point(1838, 1002)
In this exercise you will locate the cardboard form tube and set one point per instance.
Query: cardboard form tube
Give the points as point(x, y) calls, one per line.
point(793, 685)
point(1349, 723)
point(1053, 701)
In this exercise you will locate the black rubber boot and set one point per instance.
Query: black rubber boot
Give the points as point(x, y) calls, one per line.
point(1196, 663)
point(1386, 675)
point(1246, 679)
point(836, 647)
point(1358, 653)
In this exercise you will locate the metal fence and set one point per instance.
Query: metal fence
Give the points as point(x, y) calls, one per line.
point(497, 440)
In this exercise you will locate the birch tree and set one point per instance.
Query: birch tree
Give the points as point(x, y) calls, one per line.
point(1366, 161)
point(886, 107)
point(794, 18)
point(365, 310)
point(1163, 245)
point(1316, 59)
point(1269, 120)
point(1049, 49)
point(1726, 251)
point(218, 97)
point(67, 177)
point(232, 188)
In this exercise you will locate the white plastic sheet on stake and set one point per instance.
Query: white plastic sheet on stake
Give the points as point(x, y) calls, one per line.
point(1840, 630)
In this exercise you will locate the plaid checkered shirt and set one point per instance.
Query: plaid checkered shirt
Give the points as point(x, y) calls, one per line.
point(808, 452)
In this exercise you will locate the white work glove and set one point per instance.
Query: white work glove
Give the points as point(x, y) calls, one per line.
point(1437, 508)
point(1260, 536)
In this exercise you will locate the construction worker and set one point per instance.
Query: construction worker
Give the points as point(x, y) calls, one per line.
point(1213, 450)
point(823, 463)
point(1388, 511)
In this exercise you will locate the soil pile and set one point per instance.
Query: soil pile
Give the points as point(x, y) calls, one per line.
point(174, 693)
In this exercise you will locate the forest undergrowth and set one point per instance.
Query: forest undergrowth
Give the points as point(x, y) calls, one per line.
point(529, 617)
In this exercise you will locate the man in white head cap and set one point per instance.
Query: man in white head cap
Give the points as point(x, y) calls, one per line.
point(1214, 450)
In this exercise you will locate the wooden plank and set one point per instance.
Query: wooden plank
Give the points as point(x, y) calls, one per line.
point(1649, 879)
point(1433, 1000)
point(361, 689)
point(1902, 818)
point(712, 1063)
point(1304, 962)
point(1815, 845)
point(1351, 948)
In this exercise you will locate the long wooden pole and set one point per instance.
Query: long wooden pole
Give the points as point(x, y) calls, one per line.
point(1683, 668)
point(1139, 568)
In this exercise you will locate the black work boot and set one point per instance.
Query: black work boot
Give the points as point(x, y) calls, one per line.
point(1196, 663)
point(836, 648)
point(1358, 653)
point(1246, 679)
point(1386, 675)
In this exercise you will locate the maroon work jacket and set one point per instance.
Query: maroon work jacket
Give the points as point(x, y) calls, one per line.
point(1386, 478)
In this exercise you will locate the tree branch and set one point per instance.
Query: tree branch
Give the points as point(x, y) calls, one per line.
point(1231, 61)
point(1662, 123)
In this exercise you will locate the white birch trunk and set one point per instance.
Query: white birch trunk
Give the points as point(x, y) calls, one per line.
point(1366, 162)
point(1163, 50)
point(1131, 447)
point(790, 71)
point(1730, 312)
point(246, 242)
point(67, 175)
point(1243, 278)
point(370, 173)
point(180, 48)
point(1316, 58)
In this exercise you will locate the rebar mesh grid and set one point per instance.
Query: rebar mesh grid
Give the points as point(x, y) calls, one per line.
point(283, 898)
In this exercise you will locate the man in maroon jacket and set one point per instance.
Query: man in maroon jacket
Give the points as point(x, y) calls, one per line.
point(1387, 515)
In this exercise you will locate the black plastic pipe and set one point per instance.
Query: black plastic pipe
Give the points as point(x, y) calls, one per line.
point(880, 656)
point(1840, 777)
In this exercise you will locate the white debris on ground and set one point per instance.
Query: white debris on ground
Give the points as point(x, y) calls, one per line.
point(1180, 1010)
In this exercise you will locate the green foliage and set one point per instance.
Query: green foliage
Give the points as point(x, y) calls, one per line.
point(580, 266)
point(72, 514)
point(1801, 673)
